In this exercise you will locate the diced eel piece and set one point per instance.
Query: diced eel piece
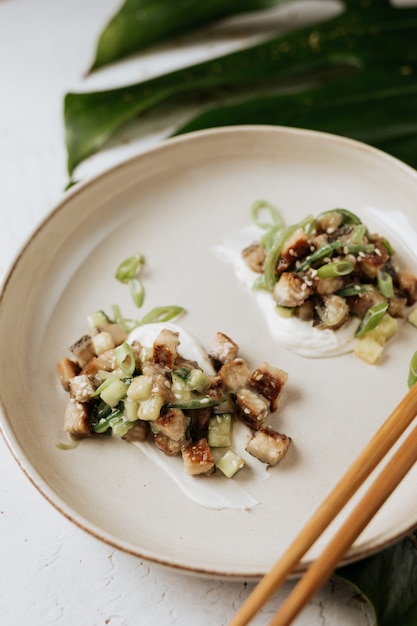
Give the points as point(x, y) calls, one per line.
point(295, 247)
point(77, 418)
point(268, 445)
point(252, 407)
point(371, 262)
point(234, 374)
point(198, 458)
point(81, 388)
point(291, 290)
point(165, 348)
point(223, 350)
point(83, 350)
point(138, 432)
point(254, 257)
point(174, 424)
point(66, 369)
point(269, 382)
point(408, 284)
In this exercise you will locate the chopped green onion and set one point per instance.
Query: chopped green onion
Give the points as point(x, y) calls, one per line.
point(195, 403)
point(319, 254)
point(119, 426)
point(348, 217)
point(372, 318)
point(333, 270)
point(390, 250)
point(125, 358)
point(412, 373)
point(385, 285)
point(275, 251)
point(137, 291)
point(267, 240)
point(129, 268)
point(354, 289)
point(259, 282)
point(97, 319)
point(354, 248)
point(262, 205)
point(102, 426)
point(162, 314)
point(68, 446)
point(358, 233)
point(103, 386)
point(127, 324)
point(284, 311)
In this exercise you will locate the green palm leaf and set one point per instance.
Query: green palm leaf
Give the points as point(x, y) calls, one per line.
point(142, 23)
point(375, 38)
point(388, 581)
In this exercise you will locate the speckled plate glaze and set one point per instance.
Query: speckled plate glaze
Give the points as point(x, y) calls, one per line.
point(175, 203)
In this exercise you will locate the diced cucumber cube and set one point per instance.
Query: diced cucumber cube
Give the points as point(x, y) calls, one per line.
point(198, 380)
point(368, 349)
point(220, 431)
point(150, 409)
point(412, 317)
point(131, 409)
point(388, 326)
point(230, 463)
point(113, 392)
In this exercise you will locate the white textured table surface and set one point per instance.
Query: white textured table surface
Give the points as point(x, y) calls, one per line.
point(52, 572)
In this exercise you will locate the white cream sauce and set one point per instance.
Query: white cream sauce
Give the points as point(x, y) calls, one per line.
point(216, 491)
point(298, 336)
point(295, 335)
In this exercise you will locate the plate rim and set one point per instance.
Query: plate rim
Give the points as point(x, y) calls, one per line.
point(6, 428)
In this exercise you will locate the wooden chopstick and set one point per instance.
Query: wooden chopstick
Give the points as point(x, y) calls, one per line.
point(373, 453)
point(389, 478)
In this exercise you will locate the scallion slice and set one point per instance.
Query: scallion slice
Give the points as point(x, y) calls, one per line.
point(333, 270)
point(259, 282)
point(385, 284)
point(321, 253)
point(263, 206)
point(68, 446)
point(137, 291)
point(356, 248)
point(354, 289)
point(358, 234)
point(390, 250)
point(127, 324)
point(103, 425)
point(372, 318)
point(125, 358)
point(275, 251)
point(162, 314)
point(348, 217)
point(129, 268)
point(412, 372)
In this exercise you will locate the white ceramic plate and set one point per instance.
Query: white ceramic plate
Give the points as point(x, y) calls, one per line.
point(174, 204)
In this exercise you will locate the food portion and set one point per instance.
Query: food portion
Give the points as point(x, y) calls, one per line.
point(158, 384)
point(332, 273)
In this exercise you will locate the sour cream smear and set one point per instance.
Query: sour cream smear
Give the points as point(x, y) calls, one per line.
point(216, 491)
point(293, 334)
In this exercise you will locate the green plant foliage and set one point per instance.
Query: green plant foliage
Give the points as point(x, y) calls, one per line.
point(141, 23)
point(388, 581)
point(372, 39)
point(365, 107)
